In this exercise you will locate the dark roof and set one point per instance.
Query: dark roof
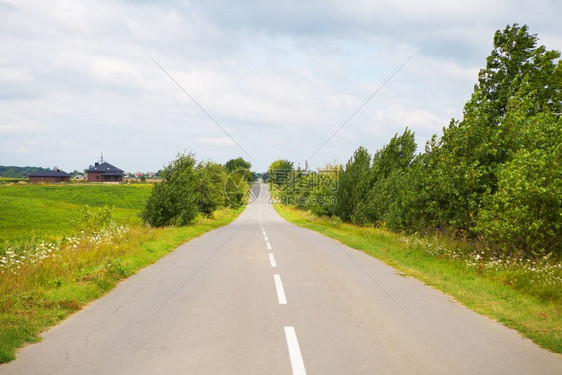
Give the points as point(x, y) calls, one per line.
point(107, 169)
point(49, 173)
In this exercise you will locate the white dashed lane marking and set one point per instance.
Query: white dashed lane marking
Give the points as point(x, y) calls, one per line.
point(297, 362)
point(272, 260)
point(280, 291)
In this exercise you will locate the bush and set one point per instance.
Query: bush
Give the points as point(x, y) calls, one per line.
point(92, 221)
point(174, 201)
point(211, 179)
point(525, 213)
point(237, 188)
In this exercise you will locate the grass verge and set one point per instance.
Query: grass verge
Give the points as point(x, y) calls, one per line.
point(533, 310)
point(40, 294)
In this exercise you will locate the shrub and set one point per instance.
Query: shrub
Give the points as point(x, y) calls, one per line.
point(92, 221)
point(524, 213)
point(174, 201)
point(211, 178)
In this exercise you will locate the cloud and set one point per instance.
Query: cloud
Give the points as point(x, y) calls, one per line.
point(215, 141)
point(76, 78)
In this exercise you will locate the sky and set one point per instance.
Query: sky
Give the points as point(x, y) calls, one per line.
point(269, 79)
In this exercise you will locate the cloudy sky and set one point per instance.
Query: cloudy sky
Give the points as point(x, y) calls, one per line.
point(77, 78)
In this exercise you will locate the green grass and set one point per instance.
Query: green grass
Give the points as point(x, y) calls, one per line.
point(48, 210)
point(534, 311)
point(39, 294)
point(44, 293)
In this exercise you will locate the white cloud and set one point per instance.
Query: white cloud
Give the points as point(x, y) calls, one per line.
point(279, 79)
point(215, 141)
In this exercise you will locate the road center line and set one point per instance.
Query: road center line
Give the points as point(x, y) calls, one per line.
point(280, 291)
point(272, 260)
point(268, 245)
point(297, 362)
point(265, 238)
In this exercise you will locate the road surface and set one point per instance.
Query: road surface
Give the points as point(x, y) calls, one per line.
point(262, 296)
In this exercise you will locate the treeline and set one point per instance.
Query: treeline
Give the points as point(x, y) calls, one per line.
point(18, 172)
point(190, 188)
point(494, 177)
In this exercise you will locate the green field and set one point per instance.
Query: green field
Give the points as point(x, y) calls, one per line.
point(39, 292)
point(48, 210)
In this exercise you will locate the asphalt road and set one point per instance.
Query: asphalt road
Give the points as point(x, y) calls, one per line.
point(262, 296)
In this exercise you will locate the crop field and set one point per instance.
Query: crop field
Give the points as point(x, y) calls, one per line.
point(40, 211)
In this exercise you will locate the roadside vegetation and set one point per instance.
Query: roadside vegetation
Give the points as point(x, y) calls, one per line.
point(62, 246)
point(493, 177)
point(189, 189)
point(484, 196)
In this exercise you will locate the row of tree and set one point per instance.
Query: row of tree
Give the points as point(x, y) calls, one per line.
point(190, 188)
point(494, 176)
point(18, 172)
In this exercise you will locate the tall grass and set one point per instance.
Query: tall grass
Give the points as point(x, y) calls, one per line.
point(56, 254)
point(42, 283)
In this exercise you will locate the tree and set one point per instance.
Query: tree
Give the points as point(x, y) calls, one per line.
point(279, 172)
point(174, 201)
point(523, 215)
point(353, 186)
point(396, 155)
point(322, 198)
point(211, 178)
point(386, 178)
point(469, 154)
point(237, 164)
point(237, 188)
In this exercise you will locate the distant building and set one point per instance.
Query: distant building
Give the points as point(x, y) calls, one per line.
point(105, 172)
point(49, 176)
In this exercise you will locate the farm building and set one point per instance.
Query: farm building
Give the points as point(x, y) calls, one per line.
point(105, 172)
point(50, 176)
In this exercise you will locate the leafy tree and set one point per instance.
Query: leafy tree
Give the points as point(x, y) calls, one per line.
point(353, 186)
point(211, 178)
point(495, 174)
point(174, 201)
point(237, 188)
point(13, 171)
point(396, 155)
point(240, 167)
point(385, 178)
point(516, 60)
point(523, 215)
point(279, 172)
point(237, 164)
point(322, 200)
point(470, 152)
